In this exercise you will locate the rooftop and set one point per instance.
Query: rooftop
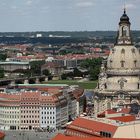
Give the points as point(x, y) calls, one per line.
point(63, 137)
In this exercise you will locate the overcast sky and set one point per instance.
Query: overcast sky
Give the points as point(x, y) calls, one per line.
point(66, 15)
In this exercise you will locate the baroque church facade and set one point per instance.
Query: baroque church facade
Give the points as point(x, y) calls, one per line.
point(119, 78)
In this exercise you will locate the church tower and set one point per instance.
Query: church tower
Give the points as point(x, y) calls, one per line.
point(124, 36)
point(119, 79)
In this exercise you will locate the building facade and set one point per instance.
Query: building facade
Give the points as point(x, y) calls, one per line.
point(32, 109)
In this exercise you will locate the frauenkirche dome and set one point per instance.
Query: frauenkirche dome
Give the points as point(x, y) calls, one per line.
point(119, 79)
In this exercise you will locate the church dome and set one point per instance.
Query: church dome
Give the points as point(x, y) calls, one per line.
point(124, 57)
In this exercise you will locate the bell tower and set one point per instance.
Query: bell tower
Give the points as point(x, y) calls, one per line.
point(124, 36)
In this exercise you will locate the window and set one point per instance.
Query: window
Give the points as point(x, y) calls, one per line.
point(133, 50)
point(123, 51)
point(122, 63)
point(135, 63)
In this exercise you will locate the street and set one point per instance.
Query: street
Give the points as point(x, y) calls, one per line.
point(29, 135)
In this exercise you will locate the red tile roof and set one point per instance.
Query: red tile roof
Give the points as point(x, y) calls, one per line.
point(112, 111)
point(124, 118)
point(92, 126)
point(78, 92)
point(1, 135)
point(63, 137)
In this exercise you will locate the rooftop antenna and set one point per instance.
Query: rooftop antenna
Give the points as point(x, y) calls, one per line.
point(124, 7)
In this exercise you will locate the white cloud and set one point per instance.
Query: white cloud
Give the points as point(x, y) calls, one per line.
point(130, 6)
point(84, 4)
point(29, 2)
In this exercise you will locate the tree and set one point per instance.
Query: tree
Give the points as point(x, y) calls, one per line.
point(3, 56)
point(77, 73)
point(1, 73)
point(36, 67)
point(64, 76)
point(46, 72)
point(94, 72)
point(93, 66)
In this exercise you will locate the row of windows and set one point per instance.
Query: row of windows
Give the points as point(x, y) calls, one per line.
point(48, 122)
point(123, 62)
point(9, 116)
point(47, 112)
point(11, 112)
point(30, 103)
point(51, 106)
point(29, 98)
point(9, 107)
point(47, 104)
point(123, 51)
point(11, 121)
point(29, 116)
point(48, 117)
point(29, 111)
point(34, 103)
point(29, 121)
point(105, 134)
point(48, 107)
point(30, 107)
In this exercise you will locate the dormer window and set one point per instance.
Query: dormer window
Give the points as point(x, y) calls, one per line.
point(123, 51)
point(122, 63)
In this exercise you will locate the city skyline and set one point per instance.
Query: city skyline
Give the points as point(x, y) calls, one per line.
point(62, 15)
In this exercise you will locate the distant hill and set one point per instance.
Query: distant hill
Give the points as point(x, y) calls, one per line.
point(63, 33)
point(59, 37)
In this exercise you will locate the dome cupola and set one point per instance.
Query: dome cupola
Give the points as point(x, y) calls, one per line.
point(124, 18)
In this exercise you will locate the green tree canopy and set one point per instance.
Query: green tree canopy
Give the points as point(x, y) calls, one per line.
point(1, 73)
point(93, 66)
point(3, 56)
point(36, 67)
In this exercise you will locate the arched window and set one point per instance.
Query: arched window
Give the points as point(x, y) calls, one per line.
point(124, 31)
point(108, 105)
point(123, 51)
point(135, 63)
